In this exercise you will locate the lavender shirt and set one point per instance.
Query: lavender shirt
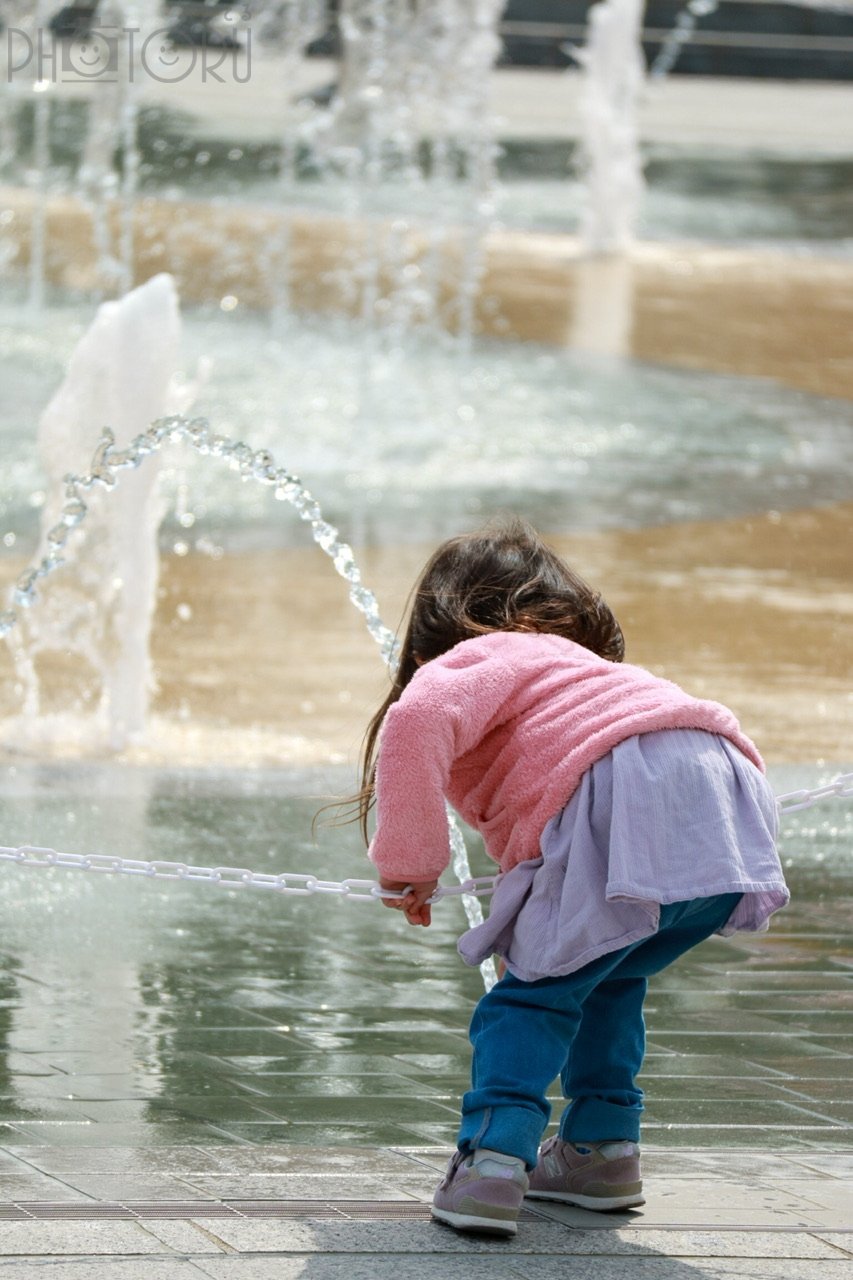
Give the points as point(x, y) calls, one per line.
point(665, 817)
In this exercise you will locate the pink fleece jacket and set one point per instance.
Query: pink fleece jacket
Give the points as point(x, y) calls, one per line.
point(503, 727)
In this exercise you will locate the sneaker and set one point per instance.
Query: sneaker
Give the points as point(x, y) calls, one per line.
point(593, 1175)
point(471, 1200)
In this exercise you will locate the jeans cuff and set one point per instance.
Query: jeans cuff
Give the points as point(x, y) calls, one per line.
point(514, 1131)
point(594, 1120)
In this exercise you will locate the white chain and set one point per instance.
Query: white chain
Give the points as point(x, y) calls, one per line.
point(299, 885)
point(804, 799)
point(286, 882)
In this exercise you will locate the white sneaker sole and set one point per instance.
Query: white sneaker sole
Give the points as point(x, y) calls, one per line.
point(599, 1204)
point(468, 1222)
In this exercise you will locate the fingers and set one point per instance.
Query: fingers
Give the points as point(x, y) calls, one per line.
point(414, 902)
point(419, 913)
point(396, 904)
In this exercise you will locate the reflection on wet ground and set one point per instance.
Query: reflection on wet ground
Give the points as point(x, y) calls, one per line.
point(135, 1014)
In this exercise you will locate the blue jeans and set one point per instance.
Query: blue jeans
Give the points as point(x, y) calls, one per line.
point(587, 1027)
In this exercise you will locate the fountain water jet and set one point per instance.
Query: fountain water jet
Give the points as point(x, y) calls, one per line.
point(614, 74)
point(122, 372)
point(611, 169)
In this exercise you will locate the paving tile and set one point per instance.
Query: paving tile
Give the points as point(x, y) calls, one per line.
point(539, 1238)
point(299, 1186)
point(234, 1042)
point(66, 1161)
point(370, 1266)
point(838, 1112)
point(65, 1239)
point(101, 1268)
point(16, 1111)
point(828, 1193)
point(701, 1244)
point(837, 1164)
point(135, 1111)
point(423, 1157)
point(416, 1237)
point(701, 1268)
point(305, 1060)
point(662, 1090)
point(297, 1159)
point(330, 1111)
point(80, 1088)
point(708, 1066)
point(676, 1196)
point(824, 1138)
point(813, 1090)
point(32, 1185)
point(426, 1133)
point(223, 1015)
point(338, 1135)
point(29, 1064)
point(182, 1237)
point(743, 1164)
point(840, 1240)
point(772, 1046)
point(757, 1137)
point(216, 1109)
point(731, 1111)
point(139, 1135)
point(123, 1186)
point(385, 1042)
point(785, 980)
point(290, 1084)
point(688, 1213)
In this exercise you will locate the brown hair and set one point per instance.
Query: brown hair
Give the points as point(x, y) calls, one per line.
point(500, 578)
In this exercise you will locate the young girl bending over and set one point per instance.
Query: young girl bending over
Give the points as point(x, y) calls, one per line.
point(630, 821)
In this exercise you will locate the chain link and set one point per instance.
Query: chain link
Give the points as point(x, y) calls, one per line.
point(793, 801)
point(300, 885)
point(290, 883)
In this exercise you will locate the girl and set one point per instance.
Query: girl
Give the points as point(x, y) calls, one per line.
point(630, 821)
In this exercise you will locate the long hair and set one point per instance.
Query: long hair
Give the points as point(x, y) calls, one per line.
point(500, 578)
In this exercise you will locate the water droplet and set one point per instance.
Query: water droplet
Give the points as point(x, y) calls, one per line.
point(73, 512)
point(326, 535)
point(58, 535)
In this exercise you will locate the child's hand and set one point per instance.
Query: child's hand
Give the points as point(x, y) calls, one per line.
point(415, 905)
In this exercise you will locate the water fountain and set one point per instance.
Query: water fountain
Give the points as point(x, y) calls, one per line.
point(100, 614)
point(339, 349)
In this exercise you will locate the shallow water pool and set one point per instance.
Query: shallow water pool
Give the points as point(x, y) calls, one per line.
point(406, 441)
point(137, 1014)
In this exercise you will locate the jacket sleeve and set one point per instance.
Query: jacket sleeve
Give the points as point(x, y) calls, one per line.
point(442, 714)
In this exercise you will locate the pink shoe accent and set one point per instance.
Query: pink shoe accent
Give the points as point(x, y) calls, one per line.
point(578, 1173)
point(468, 1201)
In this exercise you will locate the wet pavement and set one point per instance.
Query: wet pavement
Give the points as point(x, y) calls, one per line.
point(191, 1088)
